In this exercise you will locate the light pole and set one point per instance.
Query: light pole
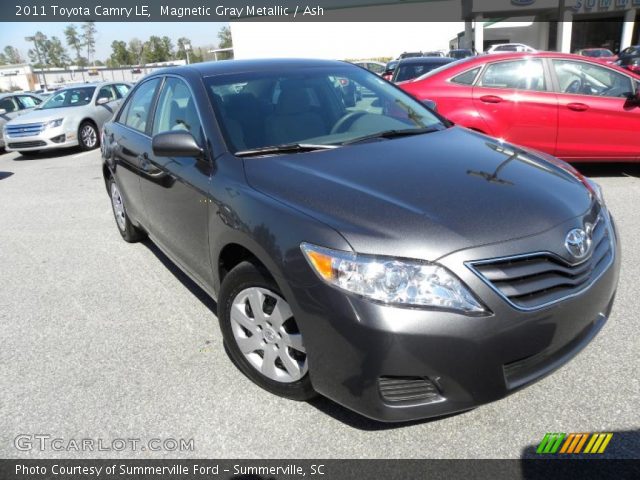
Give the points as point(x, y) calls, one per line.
point(187, 49)
point(38, 37)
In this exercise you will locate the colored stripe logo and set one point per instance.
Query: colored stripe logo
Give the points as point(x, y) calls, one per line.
point(574, 443)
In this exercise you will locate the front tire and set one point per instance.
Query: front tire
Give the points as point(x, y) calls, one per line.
point(88, 136)
point(261, 334)
point(130, 233)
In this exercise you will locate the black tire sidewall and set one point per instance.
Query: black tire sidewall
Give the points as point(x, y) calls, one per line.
point(243, 276)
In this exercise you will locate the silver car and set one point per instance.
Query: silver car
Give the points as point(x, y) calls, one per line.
point(71, 116)
point(13, 105)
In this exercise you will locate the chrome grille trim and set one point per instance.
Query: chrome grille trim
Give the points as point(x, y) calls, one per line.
point(24, 130)
point(577, 277)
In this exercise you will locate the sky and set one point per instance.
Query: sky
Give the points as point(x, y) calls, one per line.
point(200, 33)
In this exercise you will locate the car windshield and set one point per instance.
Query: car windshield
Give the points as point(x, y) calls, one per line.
point(601, 52)
point(70, 97)
point(321, 106)
point(446, 66)
point(460, 53)
point(409, 71)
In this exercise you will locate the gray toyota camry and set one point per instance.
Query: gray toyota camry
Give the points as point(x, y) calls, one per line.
point(372, 252)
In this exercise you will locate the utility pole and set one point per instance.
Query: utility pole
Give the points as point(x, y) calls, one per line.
point(35, 39)
point(187, 49)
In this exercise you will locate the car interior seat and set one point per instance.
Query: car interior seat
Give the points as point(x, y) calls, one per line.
point(293, 119)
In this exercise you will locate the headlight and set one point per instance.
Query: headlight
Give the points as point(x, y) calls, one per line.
point(597, 190)
point(392, 281)
point(55, 123)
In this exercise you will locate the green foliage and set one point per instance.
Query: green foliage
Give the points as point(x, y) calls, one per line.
point(89, 38)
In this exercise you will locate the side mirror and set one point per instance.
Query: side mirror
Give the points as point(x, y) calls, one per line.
point(102, 101)
point(634, 97)
point(2, 111)
point(175, 144)
point(430, 104)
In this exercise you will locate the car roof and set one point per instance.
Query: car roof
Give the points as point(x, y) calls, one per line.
point(222, 67)
point(425, 60)
point(471, 62)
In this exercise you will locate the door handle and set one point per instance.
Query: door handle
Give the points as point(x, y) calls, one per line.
point(577, 107)
point(144, 161)
point(490, 99)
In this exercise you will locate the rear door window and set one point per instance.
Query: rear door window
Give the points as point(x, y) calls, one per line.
point(519, 75)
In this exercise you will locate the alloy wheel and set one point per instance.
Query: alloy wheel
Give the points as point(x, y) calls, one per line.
point(118, 207)
point(267, 335)
point(89, 136)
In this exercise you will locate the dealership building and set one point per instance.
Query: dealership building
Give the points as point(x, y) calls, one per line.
point(562, 25)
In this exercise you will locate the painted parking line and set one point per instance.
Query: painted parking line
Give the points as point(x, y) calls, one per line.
point(83, 154)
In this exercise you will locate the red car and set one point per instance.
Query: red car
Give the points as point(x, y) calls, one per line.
point(562, 104)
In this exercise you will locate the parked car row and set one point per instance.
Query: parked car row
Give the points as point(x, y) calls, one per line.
point(71, 116)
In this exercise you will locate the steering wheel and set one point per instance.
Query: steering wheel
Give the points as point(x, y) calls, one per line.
point(574, 87)
point(345, 122)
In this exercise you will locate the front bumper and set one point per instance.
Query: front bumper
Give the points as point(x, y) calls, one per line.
point(51, 138)
point(352, 342)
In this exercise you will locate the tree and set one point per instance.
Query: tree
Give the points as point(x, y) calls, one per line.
point(155, 50)
point(74, 41)
point(195, 54)
point(10, 55)
point(224, 35)
point(120, 54)
point(89, 38)
point(56, 53)
point(167, 47)
point(136, 50)
point(39, 54)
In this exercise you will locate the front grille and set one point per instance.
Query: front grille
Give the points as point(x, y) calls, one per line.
point(408, 390)
point(24, 130)
point(36, 143)
point(536, 280)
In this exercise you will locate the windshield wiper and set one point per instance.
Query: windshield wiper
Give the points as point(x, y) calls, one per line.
point(288, 148)
point(392, 134)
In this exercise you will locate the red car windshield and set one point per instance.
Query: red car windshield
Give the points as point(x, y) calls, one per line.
point(600, 52)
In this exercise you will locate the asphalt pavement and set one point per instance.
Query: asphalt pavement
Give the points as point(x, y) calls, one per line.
point(103, 340)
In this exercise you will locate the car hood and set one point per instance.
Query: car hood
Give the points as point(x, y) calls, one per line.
point(36, 116)
point(424, 196)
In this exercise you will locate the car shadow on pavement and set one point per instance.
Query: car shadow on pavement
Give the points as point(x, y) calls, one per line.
point(47, 154)
point(182, 277)
point(360, 422)
point(4, 175)
point(609, 169)
point(323, 404)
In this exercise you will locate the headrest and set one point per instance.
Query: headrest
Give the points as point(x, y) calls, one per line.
point(292, 101)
